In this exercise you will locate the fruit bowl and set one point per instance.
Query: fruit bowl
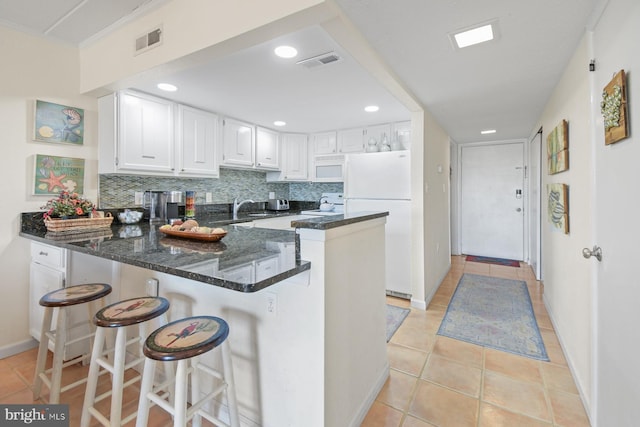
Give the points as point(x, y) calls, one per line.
point(205, 237)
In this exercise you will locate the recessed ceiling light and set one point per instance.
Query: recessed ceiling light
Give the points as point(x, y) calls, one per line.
point(167, 87)
point(488, 131)
point(371, 108)
point(279, 123)
point(476, 34)
point(286, 51)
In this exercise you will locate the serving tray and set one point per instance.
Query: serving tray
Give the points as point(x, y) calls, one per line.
point(203, 237)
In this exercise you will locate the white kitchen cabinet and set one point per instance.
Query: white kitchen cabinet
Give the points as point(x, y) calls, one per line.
point(53, 268)
point(324, 143)
point(267, 149)
point(295, 159)
point(238, 142)
point(266, 267)
point(351, 140)
point(377, 132)
point(196, 147)
point(145, 133)
point(401, 132)
point(241, 274)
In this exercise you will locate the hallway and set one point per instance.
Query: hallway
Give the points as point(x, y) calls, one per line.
point(439, 381)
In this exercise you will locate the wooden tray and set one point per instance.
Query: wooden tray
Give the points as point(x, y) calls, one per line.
point(203, 237)
point(80, 225)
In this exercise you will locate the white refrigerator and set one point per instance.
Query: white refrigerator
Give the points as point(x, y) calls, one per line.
point(382, 182)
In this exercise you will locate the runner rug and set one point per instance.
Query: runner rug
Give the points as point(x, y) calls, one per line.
point(395, 317)
point(495, 313)
point(491, 260)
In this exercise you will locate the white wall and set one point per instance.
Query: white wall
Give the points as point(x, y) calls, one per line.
point(31, 69)
point(567, 276)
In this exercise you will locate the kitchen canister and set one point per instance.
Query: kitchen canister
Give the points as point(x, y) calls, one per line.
point(190, 204)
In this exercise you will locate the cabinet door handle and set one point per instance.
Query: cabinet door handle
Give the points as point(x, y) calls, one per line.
point(44, 253)
point(148, 157)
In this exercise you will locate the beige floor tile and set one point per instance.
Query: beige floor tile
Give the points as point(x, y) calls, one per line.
point(10, 382)
point(517, 367)
point(568, 410)
point(410, 421)
point(477, 268)
point(517, 396)
point(504, 271)
point(397, 390)
point(23, 396)
point(381, 415)
point(557, 377)
point(460, 351)
point(399, 302)
point(405, 359)
point(444, 407)
point(414, 336)
point(492, 416)
point(451, 374)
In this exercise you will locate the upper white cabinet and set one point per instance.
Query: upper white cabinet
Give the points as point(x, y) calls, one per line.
point(196, 142)
point(136, 133)
point(267, 149)
point(295, 159)
point(238, 141)
point(324, 143)
point(378, 132)
point(402, 134)
point(141, 134)
point(351, 140)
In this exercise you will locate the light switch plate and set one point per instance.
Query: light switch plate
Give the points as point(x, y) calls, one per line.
point(208, 197)
point(139, 198)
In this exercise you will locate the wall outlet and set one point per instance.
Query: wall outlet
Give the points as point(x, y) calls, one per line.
point(152, 287)
point(139, 198)
point(272, 303)
point(208, 197)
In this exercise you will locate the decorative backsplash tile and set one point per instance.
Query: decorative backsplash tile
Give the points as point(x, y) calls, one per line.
point(118, 191)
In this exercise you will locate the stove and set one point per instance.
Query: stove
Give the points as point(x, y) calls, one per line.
point(335, 198)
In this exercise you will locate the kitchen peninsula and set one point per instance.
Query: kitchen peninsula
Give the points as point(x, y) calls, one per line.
point(306, 308)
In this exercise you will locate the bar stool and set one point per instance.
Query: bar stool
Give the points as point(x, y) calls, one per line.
point(62, 299)
point(182, 341)
point(134, 311)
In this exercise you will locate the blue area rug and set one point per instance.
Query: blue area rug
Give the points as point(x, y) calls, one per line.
point(495, 313)
point(395, 317)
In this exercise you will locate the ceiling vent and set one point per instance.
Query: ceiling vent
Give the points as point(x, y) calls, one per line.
point(319, 60)
point(149, 40)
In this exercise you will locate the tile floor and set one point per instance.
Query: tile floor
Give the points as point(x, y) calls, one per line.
point(434, 380)
point(439, 381)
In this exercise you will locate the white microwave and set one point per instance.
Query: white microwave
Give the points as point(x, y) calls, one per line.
point(328, 168)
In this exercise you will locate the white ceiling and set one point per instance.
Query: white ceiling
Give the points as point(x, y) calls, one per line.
point(502, 84)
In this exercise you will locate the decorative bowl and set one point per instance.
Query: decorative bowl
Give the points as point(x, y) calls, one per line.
point(129, 217)
point(326, 207)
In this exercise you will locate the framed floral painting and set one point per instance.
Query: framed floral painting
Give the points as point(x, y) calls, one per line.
point(55, 174)
point(58, 123)
point(614, 109)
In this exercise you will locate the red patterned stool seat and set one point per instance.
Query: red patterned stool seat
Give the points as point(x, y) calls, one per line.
point(72, 295)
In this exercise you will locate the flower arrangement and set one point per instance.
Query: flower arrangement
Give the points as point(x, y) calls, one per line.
point(68, 205)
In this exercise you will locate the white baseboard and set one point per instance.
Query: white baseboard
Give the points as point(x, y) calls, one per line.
point(366, 405)
point(19, 347)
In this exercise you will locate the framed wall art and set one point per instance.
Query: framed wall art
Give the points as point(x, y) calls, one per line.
point(558, 148)
point(58, 123)
point(54, 174)
point(558, 206)
point(614, 109)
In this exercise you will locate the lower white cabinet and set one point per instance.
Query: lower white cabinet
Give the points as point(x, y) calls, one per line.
point(53, 268)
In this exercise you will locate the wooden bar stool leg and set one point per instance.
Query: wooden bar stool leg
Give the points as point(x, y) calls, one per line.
point(195, 390)
point(58, 356)
point(118, 376)
point(180, 408)
point(227, 368)
point(92, 379)
point(42, 352)
point(148, 375)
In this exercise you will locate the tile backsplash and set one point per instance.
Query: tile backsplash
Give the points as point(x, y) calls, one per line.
point(118, 191)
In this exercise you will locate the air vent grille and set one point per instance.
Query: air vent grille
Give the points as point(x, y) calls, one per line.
point(148, 40)
point(320, 60)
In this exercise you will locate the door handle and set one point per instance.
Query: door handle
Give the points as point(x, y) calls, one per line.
point(518, 209)
point(596, 252)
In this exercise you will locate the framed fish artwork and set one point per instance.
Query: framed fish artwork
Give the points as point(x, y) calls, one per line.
point(54, 174)
point(58, 123)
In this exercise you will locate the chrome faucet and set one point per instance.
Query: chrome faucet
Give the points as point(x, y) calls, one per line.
point(236, 206)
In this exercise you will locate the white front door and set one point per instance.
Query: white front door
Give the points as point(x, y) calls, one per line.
point(492, 200)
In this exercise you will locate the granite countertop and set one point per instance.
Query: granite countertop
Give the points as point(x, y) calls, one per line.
point(213, 263)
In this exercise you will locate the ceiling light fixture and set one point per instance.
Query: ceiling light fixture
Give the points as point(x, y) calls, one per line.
point(279, 123)
point(488, 131)
point(371, 108)
point(167, 87)
point(286, 52)
point(475, 34)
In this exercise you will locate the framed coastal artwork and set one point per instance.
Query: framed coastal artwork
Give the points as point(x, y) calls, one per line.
point(614, 109)
point(558, 148)
point(58, 123)
point(558, 207)
point(54, 174)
